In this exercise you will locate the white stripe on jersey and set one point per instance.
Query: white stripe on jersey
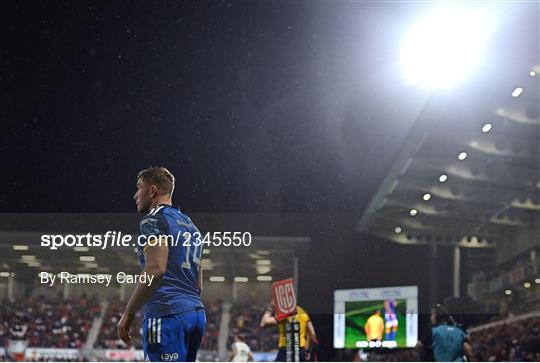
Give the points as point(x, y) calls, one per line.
point(154, 330)
point(149, 330)
point(153, 213)
point(159, 330)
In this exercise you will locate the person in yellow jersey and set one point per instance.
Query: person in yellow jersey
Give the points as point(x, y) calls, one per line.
point(306, 333)
point(374, 327)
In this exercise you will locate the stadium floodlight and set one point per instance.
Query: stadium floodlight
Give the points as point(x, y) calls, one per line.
point(241, 279)
point(426, 197)
point(20, 247)
point(207, 262)
point(217, 278)
point(261, 270)
point(462, 156)
point(264, 278)
point(527, 285)
point(486, 128)
point(532, 73)
point(413, 212)
point(444, 47)
point(517, 92)
point(508, 292)
point(537, 281)
point(28, 257)
point(443, 178)
point(397, 230)
point(87, 258)
point(263, 252)
point(263, 262)
point(206, 251)
point(81, 249)
point(4, 274)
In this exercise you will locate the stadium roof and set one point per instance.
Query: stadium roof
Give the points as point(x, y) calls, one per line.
point(468, 173)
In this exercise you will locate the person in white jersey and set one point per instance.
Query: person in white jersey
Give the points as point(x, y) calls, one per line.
point(240, 351)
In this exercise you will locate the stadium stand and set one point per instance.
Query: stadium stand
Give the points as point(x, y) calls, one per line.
point(108, 336)
point(58, 323)
point(509, 340)
point(48, 323)
point(213, 319)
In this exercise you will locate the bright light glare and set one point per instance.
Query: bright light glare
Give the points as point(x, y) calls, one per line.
point(87, 258)
point(486, 127)
point(517, 92)
point(462, 155)
point(444, 47)
point(443, 178)
point(426, 197)
point(397, 230)
point(20, 247)
point(413, 212)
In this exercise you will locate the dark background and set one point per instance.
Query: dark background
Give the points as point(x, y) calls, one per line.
point(257, 107)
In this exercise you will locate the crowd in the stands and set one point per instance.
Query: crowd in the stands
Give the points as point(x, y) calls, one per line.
point(213, 319)
point(515, 341)
point(48, 322)
point(108, 335)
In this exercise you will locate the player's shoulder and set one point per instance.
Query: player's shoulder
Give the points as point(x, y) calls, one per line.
point(154, 221)
point(163, 212)
point(302, 313)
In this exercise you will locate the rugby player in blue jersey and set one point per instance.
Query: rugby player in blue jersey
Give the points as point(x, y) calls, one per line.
point(391, 319)
point(174, 316)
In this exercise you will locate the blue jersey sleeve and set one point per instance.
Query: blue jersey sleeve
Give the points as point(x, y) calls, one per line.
point(151, 227)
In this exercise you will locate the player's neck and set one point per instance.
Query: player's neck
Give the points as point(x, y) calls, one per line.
point(161, 200)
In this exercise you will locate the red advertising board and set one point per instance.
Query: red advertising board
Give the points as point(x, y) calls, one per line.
point(284, 298)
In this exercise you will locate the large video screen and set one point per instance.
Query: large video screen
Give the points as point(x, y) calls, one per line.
point(384, 317)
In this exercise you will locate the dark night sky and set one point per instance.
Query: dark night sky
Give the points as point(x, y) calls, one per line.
point(266, 107)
